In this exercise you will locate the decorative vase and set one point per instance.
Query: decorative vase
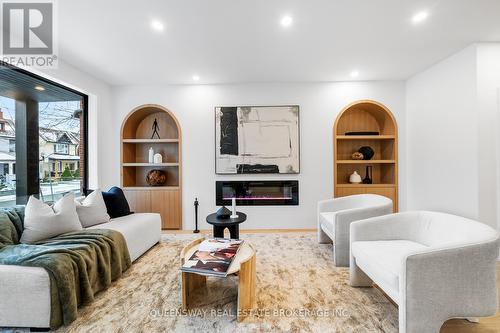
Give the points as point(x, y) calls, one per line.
point(355, 178)
point(357, 155)
point(156, 178)
point(151, 154)
point(158, 158)
point(367, 152)
point(368, 175)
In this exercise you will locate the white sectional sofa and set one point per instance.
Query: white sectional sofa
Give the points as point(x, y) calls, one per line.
point(435, 266)
point(25, 291)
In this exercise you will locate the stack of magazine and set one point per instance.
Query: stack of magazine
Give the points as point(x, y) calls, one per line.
point(213, 257)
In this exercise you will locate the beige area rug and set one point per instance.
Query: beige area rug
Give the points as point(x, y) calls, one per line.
point(298, 290)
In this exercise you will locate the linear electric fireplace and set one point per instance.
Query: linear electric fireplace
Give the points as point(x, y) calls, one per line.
point(258, 193)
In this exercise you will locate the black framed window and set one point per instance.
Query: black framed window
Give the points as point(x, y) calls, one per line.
point(43, 138)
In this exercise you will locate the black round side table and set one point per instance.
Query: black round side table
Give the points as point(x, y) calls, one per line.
point(233, 225)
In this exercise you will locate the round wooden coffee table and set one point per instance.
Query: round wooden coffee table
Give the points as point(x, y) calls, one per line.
point(242, 266)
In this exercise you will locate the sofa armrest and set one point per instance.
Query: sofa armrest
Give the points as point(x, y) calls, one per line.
point(24, 297)
point(439, 284)
point(343, 220)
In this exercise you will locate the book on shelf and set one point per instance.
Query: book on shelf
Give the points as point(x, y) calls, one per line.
point(213, 257)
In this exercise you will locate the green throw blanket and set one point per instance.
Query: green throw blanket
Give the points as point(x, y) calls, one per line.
point(79, 264)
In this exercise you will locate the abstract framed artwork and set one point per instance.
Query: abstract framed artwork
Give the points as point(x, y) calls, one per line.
point(257, 139)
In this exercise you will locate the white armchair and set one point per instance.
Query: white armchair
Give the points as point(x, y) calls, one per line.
point(335, 216)
point(435, 266)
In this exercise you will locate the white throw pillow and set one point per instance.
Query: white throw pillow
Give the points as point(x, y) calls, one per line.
point(42, 221)
point(92, 209)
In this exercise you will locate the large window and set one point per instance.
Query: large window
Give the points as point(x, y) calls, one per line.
point(42, 138)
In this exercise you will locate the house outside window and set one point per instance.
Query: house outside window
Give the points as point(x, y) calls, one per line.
point(59, 115)
point(61, 148)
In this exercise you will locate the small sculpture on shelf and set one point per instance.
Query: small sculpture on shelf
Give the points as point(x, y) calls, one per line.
point(357, 155)
point(155, 129)
point(367, 152)
point(156, 178)
point(368, 175)
point(157, 159)
point(355, 178)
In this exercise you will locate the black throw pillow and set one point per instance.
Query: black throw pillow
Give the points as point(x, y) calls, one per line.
point(116, 203)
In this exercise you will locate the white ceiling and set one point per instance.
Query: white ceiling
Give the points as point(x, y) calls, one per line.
point(229, 41)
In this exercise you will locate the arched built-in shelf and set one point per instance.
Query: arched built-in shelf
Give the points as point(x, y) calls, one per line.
point(366, 116)
point(136, 140)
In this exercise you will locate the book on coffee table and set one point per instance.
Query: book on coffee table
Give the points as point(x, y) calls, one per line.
point(214, 256)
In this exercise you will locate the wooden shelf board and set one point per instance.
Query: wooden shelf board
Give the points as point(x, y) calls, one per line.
point(149, 164)
point(365, 137)
point(151, 188)
point(365, 162)
point(366, 185)
point(149, 140)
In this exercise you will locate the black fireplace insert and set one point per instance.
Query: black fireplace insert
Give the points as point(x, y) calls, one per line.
point(258, 193)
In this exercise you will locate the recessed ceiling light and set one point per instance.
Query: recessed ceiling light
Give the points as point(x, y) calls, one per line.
point(354, 74)
point(39, 88)
point(419, 17)
point(196, 78)
point(286, 21)
point(157, 25)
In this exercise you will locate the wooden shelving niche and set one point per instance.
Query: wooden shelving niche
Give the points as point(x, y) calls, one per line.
point(135, 143)
point(366, 116)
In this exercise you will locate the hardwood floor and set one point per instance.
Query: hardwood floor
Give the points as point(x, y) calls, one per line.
point(485, 325)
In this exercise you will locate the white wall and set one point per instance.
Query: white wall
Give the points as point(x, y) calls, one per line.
point(448, 117)
point(442, 136)
point(453, 142)
point(488, 81)
point(194, 107)
point(99, 111)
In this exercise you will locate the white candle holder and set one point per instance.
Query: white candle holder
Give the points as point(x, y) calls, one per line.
point(233, 203)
